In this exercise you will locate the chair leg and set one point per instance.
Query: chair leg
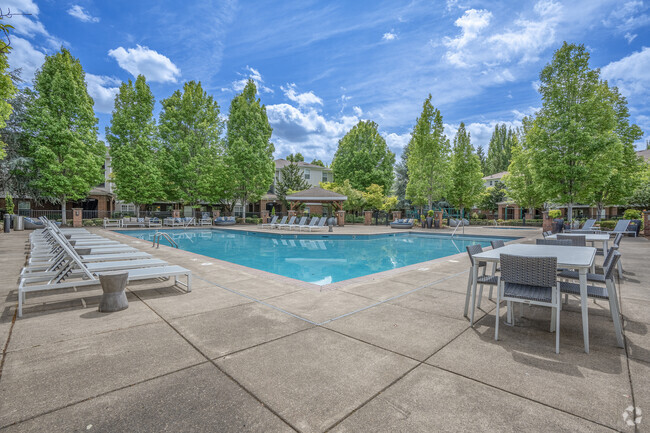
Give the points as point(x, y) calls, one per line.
point(616, 317)
point(496, 323)
point(480, 296)
point(469, 289)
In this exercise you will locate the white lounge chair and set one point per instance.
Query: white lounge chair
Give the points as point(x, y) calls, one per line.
point(290, 223)
point(271, 224)
point(277, 225)
point(301, 223)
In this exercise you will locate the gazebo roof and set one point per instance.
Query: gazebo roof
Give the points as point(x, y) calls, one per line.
point(316, 194)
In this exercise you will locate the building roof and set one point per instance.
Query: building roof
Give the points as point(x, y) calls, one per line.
point(495, 176)
point(645, 154)
point(316, 193)
point(281, 163)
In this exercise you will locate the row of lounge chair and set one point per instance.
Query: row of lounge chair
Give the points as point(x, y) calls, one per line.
point(70, 258)
point(315, 223)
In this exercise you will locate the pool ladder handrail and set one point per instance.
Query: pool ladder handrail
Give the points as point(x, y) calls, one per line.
point(458, 225)
point(158, 235)
point(190, 221)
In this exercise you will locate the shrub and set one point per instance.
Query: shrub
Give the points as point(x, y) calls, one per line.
point(9, 204)
point(474, 216)
point(632, 214)
point(607, 224)
point(430, 213)
point(555, 213)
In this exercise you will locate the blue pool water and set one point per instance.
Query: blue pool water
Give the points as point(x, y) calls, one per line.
point(318, 259)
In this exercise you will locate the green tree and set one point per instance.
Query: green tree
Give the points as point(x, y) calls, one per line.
point(363, 158)
point(131, 137)
point(16, 168)
point(641, 196)
point(466, 176)
point(481, 157)
point(318, 162)
point(67, 157)
point(7, 88)
point(191, 146)
point(574, 129)
point(249, 148)
point(374, 197)
point(355, 199)
point(500, 149)
point(295, 158)
point(624, 164)
point(428, 160)
point(402, 178)
point(291, 179)
point(491, 197)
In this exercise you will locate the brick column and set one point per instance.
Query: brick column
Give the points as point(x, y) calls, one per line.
point(340, 218)
point(265, 216)
point(176, 213)
point(397, 214)
point(646, 223)
point(77, 217)
point(367, 218)
point(547, 224)
point(438, 217)
point(216, 213)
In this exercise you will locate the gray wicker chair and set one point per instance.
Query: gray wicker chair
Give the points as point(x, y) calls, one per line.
point(547, 233)
point(564, 243)
point(496, 267)
point(607, 293)
point(577, 241)
point(598, 278)
point(482, 279)
point(530, 280)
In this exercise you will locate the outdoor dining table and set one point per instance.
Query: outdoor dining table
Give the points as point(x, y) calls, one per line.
point(578, 258)
point(602, 238)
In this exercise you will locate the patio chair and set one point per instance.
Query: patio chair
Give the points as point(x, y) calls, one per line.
point(530, 280)
point(607, 293)
point(547, 233)
point(154, 222)
point(482, 279)
point(282, 221)
point(270, 225)
point(576, 241)
point(291, 222)
point(300, 223)
point(563, 242)
point(313, 222)
point(205, 219)
point(319, 226)
point(587, 226)
point(495, 266)
point(622, 226)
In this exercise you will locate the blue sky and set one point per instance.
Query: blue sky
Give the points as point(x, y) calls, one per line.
point(322, 66)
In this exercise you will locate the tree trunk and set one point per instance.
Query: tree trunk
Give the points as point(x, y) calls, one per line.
point(599, 208)
point(243, 209)
point(63, 218)
point(570, 212)
point(137, 210)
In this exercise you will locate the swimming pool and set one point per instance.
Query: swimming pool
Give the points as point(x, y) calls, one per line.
point(320, 258)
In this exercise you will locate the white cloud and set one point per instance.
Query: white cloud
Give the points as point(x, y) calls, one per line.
point(81, 14)
point(250, 74)
point(630, 37)
point(522, 42)
point(630, 73)
point(471, 23)
point(303, 99)
point(103, 90)
point(142, 60)
point(28, 26)
point(25, 57)
point(306, 130)
point(480, 132)
point(627, 16)
point(390, 36)
point(397, 142)
point(357, 111)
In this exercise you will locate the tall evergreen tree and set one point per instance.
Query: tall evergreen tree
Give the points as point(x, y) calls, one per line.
point(573, 137)
point(481, 157)
point(68, 158)
point(364, 158)
point(318, 162)
point(500, 149)
point(466, 175)
point(402, 178)
point(291, 179)
point(428, 160)
point(249, 147)
point(191, 152)
point(295, 158)
point(131, 137)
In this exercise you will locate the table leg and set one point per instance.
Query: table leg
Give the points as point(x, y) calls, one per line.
point(583, 304)
point(473, 301)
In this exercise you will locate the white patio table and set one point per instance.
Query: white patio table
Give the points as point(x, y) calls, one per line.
point(589, 237)
point(578, 258)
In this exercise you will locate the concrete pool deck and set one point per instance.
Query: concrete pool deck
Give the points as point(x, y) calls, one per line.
point(244, 352)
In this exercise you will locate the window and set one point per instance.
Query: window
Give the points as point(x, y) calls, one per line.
point(327, 177)
point(307, 174)
point(127, 208)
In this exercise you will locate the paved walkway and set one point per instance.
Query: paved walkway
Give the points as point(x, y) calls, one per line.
point(242, 352)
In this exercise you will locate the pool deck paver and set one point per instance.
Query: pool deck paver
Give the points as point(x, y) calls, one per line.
point(246, 351)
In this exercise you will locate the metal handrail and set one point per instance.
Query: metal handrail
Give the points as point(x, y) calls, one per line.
point(158, 235)
point(454, 232)
point(190, 221)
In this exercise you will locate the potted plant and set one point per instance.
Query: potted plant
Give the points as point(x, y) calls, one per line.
point(556, 215)
point(430, 218)
point(423, 221)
